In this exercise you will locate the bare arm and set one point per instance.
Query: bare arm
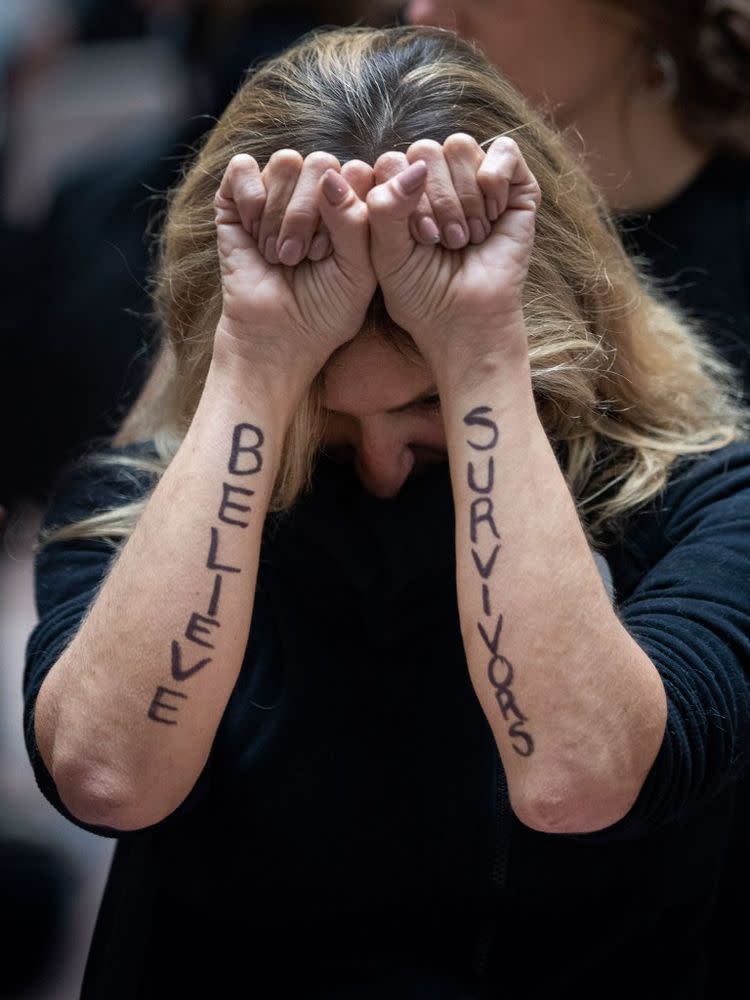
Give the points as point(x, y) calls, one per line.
point(578, 710)
point(126, 718)
point(576, 707)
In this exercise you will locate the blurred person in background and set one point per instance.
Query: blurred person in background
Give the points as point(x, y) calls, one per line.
point(656, 96)
point(403, 370)
point(86, 296)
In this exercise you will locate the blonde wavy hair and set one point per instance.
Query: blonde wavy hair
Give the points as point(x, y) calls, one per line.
point(624, 385)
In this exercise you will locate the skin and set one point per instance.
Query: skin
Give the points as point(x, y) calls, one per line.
point(601, 82)
point(126, 718)
point(383, 414)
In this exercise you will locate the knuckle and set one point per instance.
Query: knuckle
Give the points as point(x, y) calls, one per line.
point(286, 161)
point(321, 161)
point(495, 174)
point(270, 223)
point(357, 166)
point(251, 190)
point(237, 166)
point(473, 203)
point(506, 144)
point(444, 205)
point(300, 220)
point(424, 149)
point(460, 142)
point(390, 159)
point(389, 164)
point(239, 162)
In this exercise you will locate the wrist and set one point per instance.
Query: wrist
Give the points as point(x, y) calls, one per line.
point(254, 380)
point(477, 351)
point(495, 380)
point(502, 367)
point(239, 388)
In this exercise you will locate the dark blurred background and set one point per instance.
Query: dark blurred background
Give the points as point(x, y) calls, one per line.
point(100, 104)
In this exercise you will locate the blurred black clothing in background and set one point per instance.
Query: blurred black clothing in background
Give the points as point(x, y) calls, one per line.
point(698, 248)
point(36, 882)
point(76, 329)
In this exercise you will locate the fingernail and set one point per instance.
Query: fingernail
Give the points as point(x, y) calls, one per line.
point(413, 177)
point(454, 236)
point(477, 231)
point(428, 230)
point(493, 209)
point(269, 251)
point(291, 252)
point(334, 187)
point(318, 247)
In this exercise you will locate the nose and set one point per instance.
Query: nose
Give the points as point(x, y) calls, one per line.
point(430, 12)
point(383, 463)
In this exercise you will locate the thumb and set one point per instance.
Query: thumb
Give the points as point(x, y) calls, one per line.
point(390, 206)
point(344, 215)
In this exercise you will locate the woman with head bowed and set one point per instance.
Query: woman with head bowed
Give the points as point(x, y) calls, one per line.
point(403, 652)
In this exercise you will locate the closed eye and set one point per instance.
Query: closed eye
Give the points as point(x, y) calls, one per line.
point(428, 402)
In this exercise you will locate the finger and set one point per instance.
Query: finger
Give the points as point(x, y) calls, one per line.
point(464, 157)
point(422, 222)
point(280, 178)
point(390, 206)
point(320, 246)
point(345, 218)
point(241, 196)
point(506, 180)
point(302, 217)
point(446, 207)
point(360, 176)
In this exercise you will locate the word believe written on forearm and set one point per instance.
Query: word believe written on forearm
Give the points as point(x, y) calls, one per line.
point(481, 482)
point(246, 459)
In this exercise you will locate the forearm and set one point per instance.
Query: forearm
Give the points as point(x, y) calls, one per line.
point(577, 708)
point(126, 718)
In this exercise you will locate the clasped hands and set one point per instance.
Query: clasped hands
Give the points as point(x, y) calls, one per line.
point(445, 230)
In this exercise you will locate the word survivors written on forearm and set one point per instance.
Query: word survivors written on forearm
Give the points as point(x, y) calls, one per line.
point(485, 541)
point(246, 459)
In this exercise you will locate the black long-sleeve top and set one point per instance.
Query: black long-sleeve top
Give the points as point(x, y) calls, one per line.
point(351, 835)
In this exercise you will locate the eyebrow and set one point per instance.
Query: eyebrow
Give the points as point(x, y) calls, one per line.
point(421, 398)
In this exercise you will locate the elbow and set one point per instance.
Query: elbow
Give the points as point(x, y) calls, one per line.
point(569, 808)
point(97, 797)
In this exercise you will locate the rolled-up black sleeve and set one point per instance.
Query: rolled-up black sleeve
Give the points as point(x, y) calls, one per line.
point(690, 612)
point(68, 576)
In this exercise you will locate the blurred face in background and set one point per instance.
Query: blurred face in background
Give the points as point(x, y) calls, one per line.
point(563, 55)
